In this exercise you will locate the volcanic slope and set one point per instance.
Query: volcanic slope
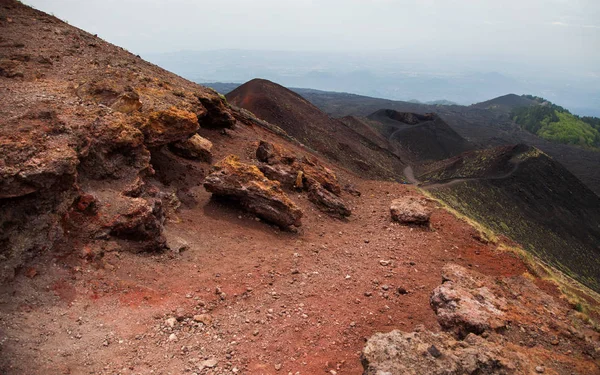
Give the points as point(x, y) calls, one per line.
point(117, 260)
point(305, 122)
point(484, 124)
point(523, 193)
point(424, 137)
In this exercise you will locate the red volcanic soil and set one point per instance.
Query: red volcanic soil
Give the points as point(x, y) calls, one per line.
point(302, 302)
point(238, 295)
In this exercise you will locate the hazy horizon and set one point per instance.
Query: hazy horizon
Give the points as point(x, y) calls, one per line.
point(549, 47)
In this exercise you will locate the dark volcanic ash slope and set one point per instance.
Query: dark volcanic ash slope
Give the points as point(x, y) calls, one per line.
point(523, 193)
point(305, 122)
point(424, 137)
point(484, 124)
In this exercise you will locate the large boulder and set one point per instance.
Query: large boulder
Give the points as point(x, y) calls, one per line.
point(255, 192)
point(410, 210)
point(465, 304)
point(424, 352)
point(303, 173)
point(195, 147)
point(288, 164)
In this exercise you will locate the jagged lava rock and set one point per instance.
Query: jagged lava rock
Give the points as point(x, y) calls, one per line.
point(303, 173)
point(465, 304)
point(195, 147)
point(255, 192)
point(288, 164)
point(327, 201)
point(424, 352)
point(410, 210)
point(168, 126)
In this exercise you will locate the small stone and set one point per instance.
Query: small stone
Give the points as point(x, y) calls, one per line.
point(401, 290)
point(368, 294)
point(278, 366)
point(173, 337)
point(171, 322)
point(384, 262)
point(385, 287)
point(203, 318)
point(348, 277)
point(435, 353)
point(333, 372)
point(540, 369)
point(554, 341)
point(210, 363)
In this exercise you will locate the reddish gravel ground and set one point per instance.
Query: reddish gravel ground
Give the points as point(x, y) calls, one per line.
point(299, 302)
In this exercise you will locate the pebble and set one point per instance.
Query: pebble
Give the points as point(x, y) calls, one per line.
point(539, 369)
point(385, 287)
point(278, 366)
point(171, 322)
point(210, 363)
point(368, 294)
point(203, 318)
point(384, 262)
point(172, 337)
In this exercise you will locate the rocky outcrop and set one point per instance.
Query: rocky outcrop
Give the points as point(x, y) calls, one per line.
point(168, 126)
point(491, 326)
point(80, 118)
point(303, 173)
point(256, 193)
point(217, 115)
point(195, 147)
point(410, 210)
point(424, 352)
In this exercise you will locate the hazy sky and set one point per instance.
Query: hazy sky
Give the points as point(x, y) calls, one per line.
point(542, 30)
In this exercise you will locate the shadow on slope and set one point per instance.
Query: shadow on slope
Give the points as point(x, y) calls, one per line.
point(523, 193)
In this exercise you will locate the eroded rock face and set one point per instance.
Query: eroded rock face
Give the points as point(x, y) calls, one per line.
point(217, 116)
point(255, 192)
point(168, 126)
point(303, 173)
point(410, 210)
point(465, 304)
point(424, 352)
point(195, 147)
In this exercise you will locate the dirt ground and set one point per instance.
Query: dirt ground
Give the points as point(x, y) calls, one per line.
point(271, 301)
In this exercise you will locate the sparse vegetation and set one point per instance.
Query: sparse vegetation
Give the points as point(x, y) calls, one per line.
point(556, 124)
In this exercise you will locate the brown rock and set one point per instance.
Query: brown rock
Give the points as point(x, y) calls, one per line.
point(410, 210)
point(463, 304)
point(49, 165)
point(205, 319)
point(141, 221)
point(255, 192)
point(286, 165)
point(217, 116)
point(327, 201)
point(429, 353)
point(127, 102)
point(303, 173)
point(195, 147)
point(168, 126)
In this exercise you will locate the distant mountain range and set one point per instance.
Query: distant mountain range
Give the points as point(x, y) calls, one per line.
point(387, 74)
